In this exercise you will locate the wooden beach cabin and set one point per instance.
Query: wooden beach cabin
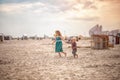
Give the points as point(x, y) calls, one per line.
point(99, 41)
point(96, 30)
point(111, 40)
point(118, 38)
point(35, 37)
point(1, 37)
point(7, 37)
point(24, 37)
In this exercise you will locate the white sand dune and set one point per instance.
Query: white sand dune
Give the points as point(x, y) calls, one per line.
point(36, 60)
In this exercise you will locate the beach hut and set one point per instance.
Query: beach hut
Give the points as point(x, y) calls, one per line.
point(118, 38)
point(105, 32)
point(115, 33)
point(1, 37)
point(111, 40)
point(81, 37)
point(7, 37)
point(99, 41)
point(24, 37)
point(46, 37)
point(32, 37)
point(96, 30)
point(35, 37)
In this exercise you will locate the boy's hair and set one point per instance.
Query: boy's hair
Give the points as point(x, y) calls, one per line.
point(57, 32)
point(74, 38)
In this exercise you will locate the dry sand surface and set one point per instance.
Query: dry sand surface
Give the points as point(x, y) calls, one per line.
point(36, 60)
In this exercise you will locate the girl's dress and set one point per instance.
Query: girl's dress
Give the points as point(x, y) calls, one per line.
point(58, 45)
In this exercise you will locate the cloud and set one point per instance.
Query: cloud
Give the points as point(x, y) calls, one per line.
point(18, 7)
point(111, 1)
point(89, 5)
point(33, 15)
point(85, 10)
point(65, 9)
point(18, 1)
point(109, 7)
point(63, 5)
point(39, 6)
point(36, 7)
point(92, 18)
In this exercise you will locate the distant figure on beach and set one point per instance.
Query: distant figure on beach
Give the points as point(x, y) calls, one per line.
point(58, 43)
point(74, 47)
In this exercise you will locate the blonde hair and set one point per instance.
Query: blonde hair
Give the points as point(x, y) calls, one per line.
point(73, 39)
point(58, 33)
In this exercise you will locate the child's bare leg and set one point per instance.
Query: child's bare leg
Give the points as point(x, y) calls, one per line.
point(64, 53)
point(59, 54)
point(74, 55)
point(77, 55)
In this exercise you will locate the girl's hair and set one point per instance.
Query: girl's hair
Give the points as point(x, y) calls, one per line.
point(58, 33)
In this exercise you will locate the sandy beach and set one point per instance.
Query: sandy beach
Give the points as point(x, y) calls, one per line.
point(36, 60)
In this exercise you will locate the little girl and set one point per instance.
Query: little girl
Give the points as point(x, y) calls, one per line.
point(58, 43)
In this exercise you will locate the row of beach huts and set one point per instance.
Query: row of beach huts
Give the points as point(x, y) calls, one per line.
point(24, 37)
point(5, 37)
point(103, 39)
point(99, 39)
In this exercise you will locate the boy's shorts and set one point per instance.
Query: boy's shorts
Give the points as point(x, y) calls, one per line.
point(74, 52)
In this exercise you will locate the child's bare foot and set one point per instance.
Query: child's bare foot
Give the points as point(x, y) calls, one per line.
point(65, 54)
point(59, 54)
point(76, 56)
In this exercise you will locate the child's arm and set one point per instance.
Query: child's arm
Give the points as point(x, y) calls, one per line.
point(62, 38)
point(53, 42)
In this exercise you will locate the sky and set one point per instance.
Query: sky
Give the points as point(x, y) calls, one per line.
point(71, 17)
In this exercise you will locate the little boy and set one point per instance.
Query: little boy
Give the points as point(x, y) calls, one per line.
point(74, 47)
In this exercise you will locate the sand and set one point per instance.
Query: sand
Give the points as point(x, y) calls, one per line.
point(36, 60)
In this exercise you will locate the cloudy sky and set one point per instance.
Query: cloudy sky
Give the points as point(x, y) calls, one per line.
point(71, 17)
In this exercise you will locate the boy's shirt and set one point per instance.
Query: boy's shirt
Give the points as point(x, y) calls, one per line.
point(74, 46)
